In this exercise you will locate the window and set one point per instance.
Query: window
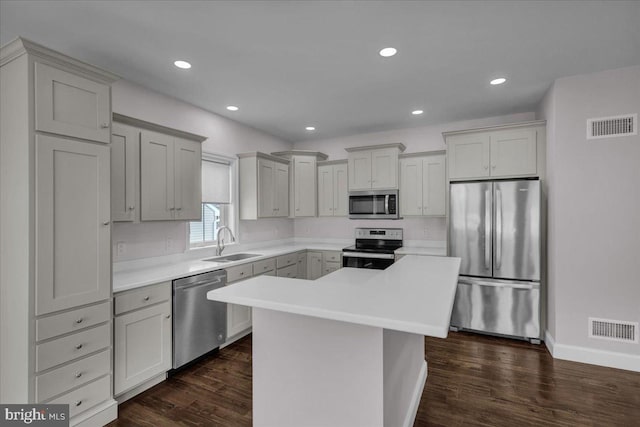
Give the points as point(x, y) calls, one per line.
point(216, 201)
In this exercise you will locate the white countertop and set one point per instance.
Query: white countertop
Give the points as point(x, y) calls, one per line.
point(413, 295)
point(418, 250)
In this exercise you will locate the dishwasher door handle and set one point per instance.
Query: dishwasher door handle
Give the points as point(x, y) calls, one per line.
point(201, 283)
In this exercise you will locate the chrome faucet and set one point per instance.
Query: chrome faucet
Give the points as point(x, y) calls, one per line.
point(220, 246)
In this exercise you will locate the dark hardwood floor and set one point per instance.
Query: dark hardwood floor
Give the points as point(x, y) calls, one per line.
point(473, 380)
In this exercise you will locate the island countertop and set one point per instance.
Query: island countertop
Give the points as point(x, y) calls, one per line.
point(413, 295)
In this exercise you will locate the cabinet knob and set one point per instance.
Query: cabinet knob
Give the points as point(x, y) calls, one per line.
point(131, 208)
point(79, 374)
point(104, 125)
point(178, 209)
point(168, 316)
point(493, 166)
point(242, 273)
point(79, 402)
point(146, 298)
point(79, 320)
point(172, 209)
point(106, 223)
point(486, 167)
point(79, 346)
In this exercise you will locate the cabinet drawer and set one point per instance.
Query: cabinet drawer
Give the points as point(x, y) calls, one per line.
point(260, 267)
point(142, 297)
point(290, 271)
point(87, 396)
point(286, 260)
point(333, 256)
point(70, 321)
point(71, 347)
point(72, 375)
point(240, 272)
point(330, 266)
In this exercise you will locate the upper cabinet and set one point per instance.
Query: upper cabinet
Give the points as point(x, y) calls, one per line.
point(68, 104)
point(423, 184)
point(155, 172)
point(374, 167)
point(264, 186)
point(302, 181)
point(333, 195)
point(500, 152)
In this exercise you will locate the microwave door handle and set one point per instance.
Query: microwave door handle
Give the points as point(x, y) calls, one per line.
point(386, 204)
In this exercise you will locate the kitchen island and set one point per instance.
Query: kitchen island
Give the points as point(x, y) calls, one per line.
point(346, 349)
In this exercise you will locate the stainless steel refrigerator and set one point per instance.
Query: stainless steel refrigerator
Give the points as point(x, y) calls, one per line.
point(495, 228)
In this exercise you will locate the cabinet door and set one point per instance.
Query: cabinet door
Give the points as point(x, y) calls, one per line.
point(188, 183)
point(281, 197)
point(238, 319)
point(340, 192)
point(359, 170)
point(142, 346)
point(384, 168)
point(266, 190)
point(302, 265)
point(513, 152)
point(325, 190)
point(468, 156)
point(433, 186)
point(314, 265)
point(411, 186)
point(304, 186)
point(68, 104)
point(73, 235)
point(124, 168)
point(156, 176)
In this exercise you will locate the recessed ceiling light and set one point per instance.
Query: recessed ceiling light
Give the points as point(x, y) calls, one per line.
point(232, 108)
point(388, 51)
point(417, 112)
point(310, 128)
point(182, 64)
point(498, 81)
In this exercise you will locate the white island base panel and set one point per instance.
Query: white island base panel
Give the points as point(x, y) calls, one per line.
point(309, 371)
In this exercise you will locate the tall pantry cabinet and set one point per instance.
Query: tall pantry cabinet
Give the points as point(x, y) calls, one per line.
point(55, 260)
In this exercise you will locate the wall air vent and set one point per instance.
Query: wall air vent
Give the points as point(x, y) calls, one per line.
point(615, 330)
point(609, 127)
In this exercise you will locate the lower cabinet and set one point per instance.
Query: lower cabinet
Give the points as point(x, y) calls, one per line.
point(314, 265)
point(239, 316)
point(238, 319)
point(143, 338)
point(302, 265)
point(320, 263)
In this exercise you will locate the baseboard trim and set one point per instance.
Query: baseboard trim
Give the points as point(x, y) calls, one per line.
point(126, 395)
point(609, 359)
point(101, 415)
point(415, 398)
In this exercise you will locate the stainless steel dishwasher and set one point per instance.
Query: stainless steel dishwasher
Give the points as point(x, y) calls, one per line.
point(199, 325)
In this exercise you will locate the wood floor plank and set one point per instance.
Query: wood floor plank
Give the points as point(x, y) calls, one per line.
point(473, 380)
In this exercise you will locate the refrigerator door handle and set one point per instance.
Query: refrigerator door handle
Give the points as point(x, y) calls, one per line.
point(498, 229)
point(499, 284)
point(487, 229)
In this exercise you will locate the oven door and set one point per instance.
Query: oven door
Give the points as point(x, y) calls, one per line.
point(367, 260)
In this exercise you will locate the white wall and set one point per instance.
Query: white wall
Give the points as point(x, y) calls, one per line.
point(594, 211)
point(224, 136)
point(426, 138)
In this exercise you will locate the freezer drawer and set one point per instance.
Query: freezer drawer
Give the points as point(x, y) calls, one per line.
point(499, 307)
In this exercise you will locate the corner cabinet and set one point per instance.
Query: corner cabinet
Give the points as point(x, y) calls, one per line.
point(499, 152)
point(423, 184)
point(333, 195)
point(55, 221)
point(264, 186)
point(302, 181)
point(374, 167)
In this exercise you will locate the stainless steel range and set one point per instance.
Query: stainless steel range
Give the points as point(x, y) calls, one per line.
point(374, 248)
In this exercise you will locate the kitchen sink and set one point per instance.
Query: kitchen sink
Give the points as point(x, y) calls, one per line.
point(231, 258)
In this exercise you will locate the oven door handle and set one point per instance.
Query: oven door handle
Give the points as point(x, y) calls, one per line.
point(368, 255)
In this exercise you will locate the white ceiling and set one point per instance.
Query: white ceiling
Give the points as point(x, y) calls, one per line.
point(292, 64)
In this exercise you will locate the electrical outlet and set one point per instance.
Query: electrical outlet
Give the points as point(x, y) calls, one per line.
point(121, 248)
point(169, 244)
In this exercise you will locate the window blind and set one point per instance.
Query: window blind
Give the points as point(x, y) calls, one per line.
point(216, 182)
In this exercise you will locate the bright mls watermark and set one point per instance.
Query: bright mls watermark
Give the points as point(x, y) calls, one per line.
point(34, 415)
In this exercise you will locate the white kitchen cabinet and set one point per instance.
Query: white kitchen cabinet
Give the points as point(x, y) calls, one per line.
point(291, 271)
point(239, 316)
point(423, 184)
point(264, 186)
point(333, 196)
point(302, 265)
point(72, 105)
point(142, 347)
point(499, 152)
point(314, 265)
point(374, 167)
point(125, 145)
point(55, 249)
point(73, 235)
point(170, 171)
point(331, 261)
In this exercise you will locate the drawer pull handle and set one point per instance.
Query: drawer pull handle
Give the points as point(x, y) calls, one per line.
point(168, 316)
point(79, 402)
point(79, 374)
point(79, 346)
point(79, 320)
point(146, 298)
point(104, 125)
point(131, 208)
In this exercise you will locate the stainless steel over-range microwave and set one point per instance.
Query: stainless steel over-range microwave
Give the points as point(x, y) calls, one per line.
point(374, 204)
